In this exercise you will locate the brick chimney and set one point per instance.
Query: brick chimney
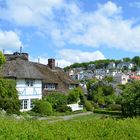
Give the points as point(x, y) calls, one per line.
point(51, 63)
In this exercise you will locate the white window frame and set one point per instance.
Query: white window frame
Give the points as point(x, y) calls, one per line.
point(50, 86)
point(29, 82)
point(24, 104)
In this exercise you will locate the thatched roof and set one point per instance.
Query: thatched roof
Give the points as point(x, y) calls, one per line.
point(19, 68)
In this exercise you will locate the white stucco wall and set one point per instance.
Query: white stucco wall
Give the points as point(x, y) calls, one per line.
point(29, 92)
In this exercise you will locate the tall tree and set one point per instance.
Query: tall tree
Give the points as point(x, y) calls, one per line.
point(131, 99)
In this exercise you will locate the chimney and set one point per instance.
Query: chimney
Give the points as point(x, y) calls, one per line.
point(51, 63)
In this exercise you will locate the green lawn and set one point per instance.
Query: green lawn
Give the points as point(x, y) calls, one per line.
point(90, 127)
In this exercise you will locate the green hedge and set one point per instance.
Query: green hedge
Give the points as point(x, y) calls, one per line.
point(99, 111)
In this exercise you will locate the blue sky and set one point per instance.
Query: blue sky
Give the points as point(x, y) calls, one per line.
point(71, 30)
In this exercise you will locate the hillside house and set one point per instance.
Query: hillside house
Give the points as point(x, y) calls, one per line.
point(34, 80)
point(125, 65)
point(112, 65)
point(121, 78)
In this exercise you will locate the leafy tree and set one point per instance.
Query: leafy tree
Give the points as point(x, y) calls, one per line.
point(56, 99)
point(131, 99)
point(9, 96)
point(126, 59)
point(108, 79)
point(75, 95)
point(2, 58)
point(136, 60)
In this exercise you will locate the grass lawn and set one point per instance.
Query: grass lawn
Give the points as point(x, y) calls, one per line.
point(90, 127)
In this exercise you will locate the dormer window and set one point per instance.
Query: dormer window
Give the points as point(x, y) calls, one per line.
point(29, 83)
point(72, 86)
point(50, 86)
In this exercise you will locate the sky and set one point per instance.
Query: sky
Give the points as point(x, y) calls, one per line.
point(70, 30)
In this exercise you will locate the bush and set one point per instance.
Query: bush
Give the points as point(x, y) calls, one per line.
point(88, 106)
point(63, 108)
point(114, 107)
point(56, 99)
point(9, 96)
point(42, 107)
point(99, 111)
point(74, 95)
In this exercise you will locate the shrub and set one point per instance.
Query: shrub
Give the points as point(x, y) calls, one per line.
point(9, 96)
point(74, 95)
point(114, 107)
point(88, 106)
point(42, 107)
point(56, 99)
point(99, 111)
point(63, 108)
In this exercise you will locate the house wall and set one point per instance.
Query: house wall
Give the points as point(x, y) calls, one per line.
point(29, 93)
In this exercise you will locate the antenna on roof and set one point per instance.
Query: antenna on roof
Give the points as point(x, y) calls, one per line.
point(38, 60)
point(20, 49)
point(3, 51)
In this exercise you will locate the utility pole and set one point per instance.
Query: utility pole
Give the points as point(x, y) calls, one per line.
point(3, 51)
point(20, 49)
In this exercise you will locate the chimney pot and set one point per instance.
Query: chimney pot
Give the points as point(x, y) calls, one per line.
point(51, 63)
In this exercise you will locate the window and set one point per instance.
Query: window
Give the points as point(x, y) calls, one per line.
point(72, 86)
point(23, 104)
point(29, 83)
point(50, 86)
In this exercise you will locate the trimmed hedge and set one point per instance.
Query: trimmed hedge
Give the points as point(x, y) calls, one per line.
point(99, 111)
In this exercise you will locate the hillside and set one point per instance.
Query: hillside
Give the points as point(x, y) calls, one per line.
point(104, 63)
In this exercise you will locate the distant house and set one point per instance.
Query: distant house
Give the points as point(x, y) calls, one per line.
point(112, 65)
point(91, 67)
point(127, 65)
point(34, 80)
point(121, 78)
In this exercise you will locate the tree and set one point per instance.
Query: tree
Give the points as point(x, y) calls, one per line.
point(2, 58)
point(130, 101)
point(108, 79)
point(56, 99)
point(136, 60)
point(9, 96)
point(75, 95)
point(126, 59)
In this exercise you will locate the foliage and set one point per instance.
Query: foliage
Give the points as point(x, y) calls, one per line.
point(56, 99)
point(2, 58)
point(102, 93)
point(104, 63)
point(88, 106)
point(63, 108)
point(9, 96)
point(101, 111)
point(115, 107)
point(136, 60)
point(75, 95)
point(131, 99)
point(42, 107)
point(108, 79)
point(83, 129)
point(90, 82)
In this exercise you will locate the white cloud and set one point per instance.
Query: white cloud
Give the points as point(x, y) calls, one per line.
point(66, 57)
point(67, 23)
point(80, 56)
point(9, 40)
